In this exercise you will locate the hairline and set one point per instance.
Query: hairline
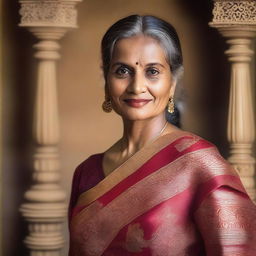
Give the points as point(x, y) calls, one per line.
point(152, 36)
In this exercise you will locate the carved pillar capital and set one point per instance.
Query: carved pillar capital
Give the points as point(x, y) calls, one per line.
point(48, 19)
point(48, 13)
point(235, 17)
point(234, 12)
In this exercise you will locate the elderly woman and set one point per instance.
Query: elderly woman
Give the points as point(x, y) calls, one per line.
point(158, 190)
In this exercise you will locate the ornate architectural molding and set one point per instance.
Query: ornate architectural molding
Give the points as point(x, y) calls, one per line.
point(234, 12)
point(44, 208)
point(236, 21)
point(50, 13)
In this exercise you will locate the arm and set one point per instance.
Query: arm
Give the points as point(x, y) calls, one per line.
point(74, 191)
point(227, 222)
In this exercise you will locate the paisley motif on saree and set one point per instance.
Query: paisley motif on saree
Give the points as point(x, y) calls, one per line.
point(157, 203)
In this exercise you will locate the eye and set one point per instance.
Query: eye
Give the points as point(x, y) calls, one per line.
point(152, 72)
point(122, 71)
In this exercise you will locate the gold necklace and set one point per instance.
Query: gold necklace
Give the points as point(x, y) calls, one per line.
point(163, 129)
point(151, 141)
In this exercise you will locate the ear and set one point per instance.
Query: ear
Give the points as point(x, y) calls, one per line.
point(173, 87)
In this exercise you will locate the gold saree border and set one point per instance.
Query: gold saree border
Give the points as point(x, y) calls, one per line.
point(97, 232)
point(130, 166)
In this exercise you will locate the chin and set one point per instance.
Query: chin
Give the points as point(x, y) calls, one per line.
point(136, 114)
point(135, 117)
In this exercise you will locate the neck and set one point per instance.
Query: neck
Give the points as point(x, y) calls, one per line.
point(139, 133)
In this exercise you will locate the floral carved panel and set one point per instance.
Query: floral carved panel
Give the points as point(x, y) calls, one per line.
point(48, 13)
point(234, 12)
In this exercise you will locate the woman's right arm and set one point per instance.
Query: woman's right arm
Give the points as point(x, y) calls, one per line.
point(74, 192)
point(227, 222)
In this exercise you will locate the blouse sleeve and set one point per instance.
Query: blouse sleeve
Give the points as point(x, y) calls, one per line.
point(74, 191)
point(227, 222)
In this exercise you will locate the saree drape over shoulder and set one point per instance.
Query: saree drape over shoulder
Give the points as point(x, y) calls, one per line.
point(176, 197)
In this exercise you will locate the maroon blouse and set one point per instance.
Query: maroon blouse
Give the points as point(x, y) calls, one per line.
point(87, 175)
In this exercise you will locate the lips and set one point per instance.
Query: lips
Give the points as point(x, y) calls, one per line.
point(136, 103)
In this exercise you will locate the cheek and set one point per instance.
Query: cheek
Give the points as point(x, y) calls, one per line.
point(116, 88)
point(161, 91)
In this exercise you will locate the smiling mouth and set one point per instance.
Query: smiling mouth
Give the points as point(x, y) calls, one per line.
point(136, 103)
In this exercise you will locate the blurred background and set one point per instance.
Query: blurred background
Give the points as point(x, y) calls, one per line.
point(85, 128)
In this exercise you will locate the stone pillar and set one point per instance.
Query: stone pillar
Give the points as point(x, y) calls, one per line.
point(236, 21)
point(44, 208)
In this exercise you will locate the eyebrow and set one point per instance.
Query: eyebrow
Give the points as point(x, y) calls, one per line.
point(128, 66)
point(155, 64)
point(120, 64)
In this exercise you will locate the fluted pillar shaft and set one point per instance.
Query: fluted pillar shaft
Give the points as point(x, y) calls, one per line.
point(241, 127)
point(236, 21)
point(44, 208)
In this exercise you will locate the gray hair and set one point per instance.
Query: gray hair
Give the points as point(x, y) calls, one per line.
point(150, 26)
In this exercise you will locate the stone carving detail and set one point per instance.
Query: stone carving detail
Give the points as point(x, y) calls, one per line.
point(234, 12)
point(48, 13)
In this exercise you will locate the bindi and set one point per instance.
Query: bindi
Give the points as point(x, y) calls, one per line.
point(137, 63)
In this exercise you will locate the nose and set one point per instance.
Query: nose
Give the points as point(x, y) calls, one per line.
point(137, 84)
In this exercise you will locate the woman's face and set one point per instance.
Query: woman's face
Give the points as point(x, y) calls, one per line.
point(139, 80)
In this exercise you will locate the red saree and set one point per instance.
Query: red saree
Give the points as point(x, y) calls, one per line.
point(175, 197)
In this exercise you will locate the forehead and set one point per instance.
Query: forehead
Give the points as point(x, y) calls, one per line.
point(143, 49)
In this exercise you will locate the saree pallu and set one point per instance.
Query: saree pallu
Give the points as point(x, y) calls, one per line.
point(175, 197)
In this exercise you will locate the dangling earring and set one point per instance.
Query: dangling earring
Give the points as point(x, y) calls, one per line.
point(107, 105)
point(170, 107)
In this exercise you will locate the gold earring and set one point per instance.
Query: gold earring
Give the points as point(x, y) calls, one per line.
point(107, 105)
point(170, 107)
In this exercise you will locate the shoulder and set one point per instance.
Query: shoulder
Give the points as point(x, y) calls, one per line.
point(188, 142)
point(185, 139)
point(202, 155)
point(88, 173)
point(87, 168)
point(206, 166)
point(89, 163)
